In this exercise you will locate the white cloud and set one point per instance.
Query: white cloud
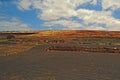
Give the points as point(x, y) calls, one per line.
point(52, 10)
point(94, 2)
point(12, 25)
point(24, 4)
point(113, 4)
point(99, 17)
point(66, 23)
point(95, 27)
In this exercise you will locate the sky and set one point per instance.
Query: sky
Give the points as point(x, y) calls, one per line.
point(60, 15)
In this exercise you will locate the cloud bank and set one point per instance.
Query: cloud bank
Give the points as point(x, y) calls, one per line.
point(13, 25)
point(60, 12)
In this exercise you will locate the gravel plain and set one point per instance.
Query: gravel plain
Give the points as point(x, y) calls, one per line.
point(38, 64)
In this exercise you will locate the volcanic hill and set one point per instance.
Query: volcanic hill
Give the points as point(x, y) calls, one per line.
point(77, 33)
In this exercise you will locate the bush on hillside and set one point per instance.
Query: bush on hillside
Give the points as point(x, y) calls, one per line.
point(10, 36)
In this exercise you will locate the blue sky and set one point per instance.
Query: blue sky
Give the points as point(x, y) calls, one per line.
point(59, 15)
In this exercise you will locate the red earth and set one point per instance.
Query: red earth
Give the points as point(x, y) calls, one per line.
point(78, 33)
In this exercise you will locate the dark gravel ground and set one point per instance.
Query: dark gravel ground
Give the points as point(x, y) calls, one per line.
point(37, 64)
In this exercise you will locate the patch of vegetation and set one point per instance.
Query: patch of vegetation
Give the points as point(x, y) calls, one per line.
point(10, 36)
point(104, 43)
point(97, 41)
point(3, 41)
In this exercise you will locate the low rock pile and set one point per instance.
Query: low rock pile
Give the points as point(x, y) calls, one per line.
point(102, 49)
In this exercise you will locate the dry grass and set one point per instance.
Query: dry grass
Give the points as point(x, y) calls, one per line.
point(78, 33)
point(26, 42)
point(6, 50)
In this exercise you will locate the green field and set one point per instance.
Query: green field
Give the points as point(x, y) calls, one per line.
point(3, 41)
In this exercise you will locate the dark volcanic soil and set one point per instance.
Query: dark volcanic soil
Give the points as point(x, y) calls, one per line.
point(37, 64)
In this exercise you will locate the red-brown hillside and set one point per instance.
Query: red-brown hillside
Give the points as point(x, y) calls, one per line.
point(77, 33)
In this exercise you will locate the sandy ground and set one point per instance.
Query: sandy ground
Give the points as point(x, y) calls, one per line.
point(37, 64)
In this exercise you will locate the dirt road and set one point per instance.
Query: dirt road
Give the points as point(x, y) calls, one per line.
point(37, 64)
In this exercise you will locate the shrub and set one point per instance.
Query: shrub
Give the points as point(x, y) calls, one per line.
point(10, 36)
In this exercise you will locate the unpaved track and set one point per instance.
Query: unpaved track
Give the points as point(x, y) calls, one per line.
point(38, 64)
